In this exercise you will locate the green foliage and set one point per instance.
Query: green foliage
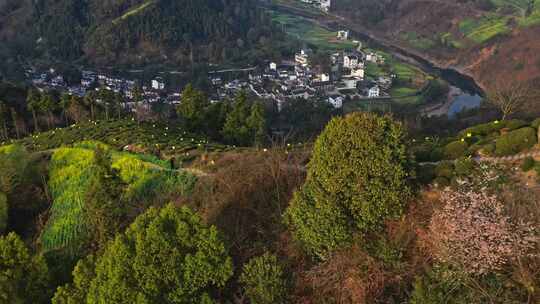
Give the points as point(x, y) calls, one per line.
point(165, 256)
point(515, 124)
point(256, 123)
point(23, 278)
point(516, 141)
point(193, 107)
point(464, 167)
point(73, 172)
point(484, 129)
point(236, 130)
point(536, 123)
point(528, 164)
point(263, 280)
point(357, 178)
point(455, 149)
point(439, 285)
point(4, 208)
point(168, 138)
point(75, 293)
point(445, 169)
point(14, 162)
point(146, 181)
point(318, 225)
point(114, 30)
point(245, 124)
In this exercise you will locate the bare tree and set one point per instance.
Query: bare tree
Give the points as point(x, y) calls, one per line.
point(509, 97)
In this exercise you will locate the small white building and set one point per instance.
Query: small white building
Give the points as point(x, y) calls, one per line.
point(324, 77)
point(336, 101)
point(158, 83)
point(325, 5)
point(374, 92)
point(350, 61)
point(302, 58)
point(343, 35)
point(273, 66)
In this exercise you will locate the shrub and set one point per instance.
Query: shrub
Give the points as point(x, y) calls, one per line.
point(464, 167)
point(357, 178)
point(445, 169)
point(439, 285)
point(441, 182)
point(426, 174)
point(515, 124)
point(472, 232)
point(14, 162)
point(455, 149)
point(489, 149)
point(3, 213)
point(23, 278)
point(528, 164)
point(536, 123)
point(165, 256)
point(516, 141)
point(263, 280)
point(483, 129)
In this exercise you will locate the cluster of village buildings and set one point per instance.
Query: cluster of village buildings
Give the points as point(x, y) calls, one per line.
point(93, 81)
point(299, 78)
point(344, 78)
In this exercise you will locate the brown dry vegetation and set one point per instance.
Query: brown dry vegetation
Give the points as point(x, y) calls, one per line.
point(245, 195)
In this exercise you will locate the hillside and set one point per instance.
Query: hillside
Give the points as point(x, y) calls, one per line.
point(489, 39)
point(233, 225)
point(136, 31)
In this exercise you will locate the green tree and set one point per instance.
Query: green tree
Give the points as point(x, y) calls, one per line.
point(15, 119)
point(165, 256)
point(263, 280)
point(3, 213)
point(193, 108)
point(23, 278)
point(75, 293)
point(32, 103)
point(118, 104)
point(47, 105)
point(64, 103)
point(357, 178)
point(256, 122)
point(14, 162)
point(90, 100)
point(236, 130)
point(4, 117)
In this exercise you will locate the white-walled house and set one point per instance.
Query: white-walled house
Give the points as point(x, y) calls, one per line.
point(374, 92)
point(343, 35)
point(158, 83)
point(336, 101)
point(350, 61)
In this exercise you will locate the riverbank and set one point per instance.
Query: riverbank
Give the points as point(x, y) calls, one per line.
point(453, 75)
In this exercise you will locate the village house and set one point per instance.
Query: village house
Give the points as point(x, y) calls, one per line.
point(343, 35)
point(374, 92)
point(158, 83)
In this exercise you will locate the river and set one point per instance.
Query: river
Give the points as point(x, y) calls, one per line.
point(464, 94)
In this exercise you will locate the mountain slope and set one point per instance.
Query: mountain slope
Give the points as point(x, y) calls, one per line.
point(139, 31)
point(489, 39)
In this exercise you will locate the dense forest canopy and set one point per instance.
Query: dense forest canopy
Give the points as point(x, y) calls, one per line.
point(137, 31)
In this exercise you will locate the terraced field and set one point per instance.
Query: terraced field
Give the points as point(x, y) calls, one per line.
point(144, 137)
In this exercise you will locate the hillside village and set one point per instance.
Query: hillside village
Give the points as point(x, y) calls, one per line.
point(297, 77)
